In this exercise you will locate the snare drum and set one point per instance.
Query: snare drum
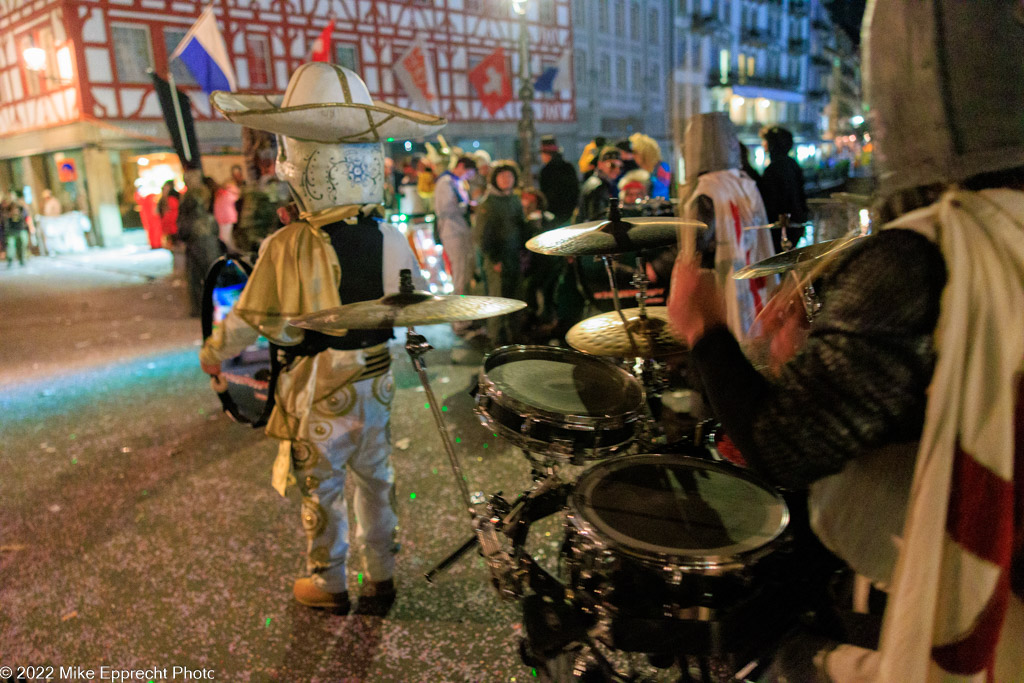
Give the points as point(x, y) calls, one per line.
point(669, 548)
point(558, 402)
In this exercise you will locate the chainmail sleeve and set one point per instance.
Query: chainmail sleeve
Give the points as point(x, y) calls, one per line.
point(858, 382)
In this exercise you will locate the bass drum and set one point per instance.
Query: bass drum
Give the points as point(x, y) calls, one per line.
point(677, 554)
point(561, 403)
point(251, 376)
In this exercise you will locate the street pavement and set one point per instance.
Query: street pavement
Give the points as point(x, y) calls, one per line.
point(138, 528)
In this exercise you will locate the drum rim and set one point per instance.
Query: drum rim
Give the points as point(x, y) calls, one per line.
point(571, 421)
point(560, 452)
point(687, 563)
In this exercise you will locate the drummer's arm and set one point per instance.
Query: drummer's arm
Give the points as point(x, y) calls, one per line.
point(859, 381)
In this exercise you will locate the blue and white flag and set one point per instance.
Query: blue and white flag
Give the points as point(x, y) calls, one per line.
point(555, 78)
point(206, 55)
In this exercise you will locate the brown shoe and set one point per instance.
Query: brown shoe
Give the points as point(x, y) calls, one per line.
point(376, 598)
point(307, 593)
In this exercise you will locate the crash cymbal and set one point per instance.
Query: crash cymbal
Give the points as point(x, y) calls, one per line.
point(862, 200)
point(404, 310)
point(599, 238)
point(778, 224)
point(804, 256)
point(604, 335)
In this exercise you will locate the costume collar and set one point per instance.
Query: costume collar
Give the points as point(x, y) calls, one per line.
point(319, 219)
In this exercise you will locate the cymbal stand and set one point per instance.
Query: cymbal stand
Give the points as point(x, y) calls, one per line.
point(498, 560)
point(416, 346)
point(607, 259)
point(786, 244)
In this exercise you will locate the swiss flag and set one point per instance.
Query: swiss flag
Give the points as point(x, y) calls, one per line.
point(322, 45)
point(492, 82)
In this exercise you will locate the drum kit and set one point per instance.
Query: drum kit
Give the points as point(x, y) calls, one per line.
point(680, 557)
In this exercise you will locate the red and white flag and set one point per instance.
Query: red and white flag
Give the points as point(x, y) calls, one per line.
point(492, 81)
point(322, 45)
point(415, 71)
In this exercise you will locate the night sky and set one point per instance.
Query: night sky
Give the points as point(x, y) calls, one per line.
point(848, 14)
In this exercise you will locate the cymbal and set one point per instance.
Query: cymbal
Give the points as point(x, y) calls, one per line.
point(778, 224)
point(604, 335)
point(863, 200)
point(598, 238)
point(780, 263)
point(404, 310)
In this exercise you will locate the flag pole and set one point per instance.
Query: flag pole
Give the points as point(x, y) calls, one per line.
point(178, 117)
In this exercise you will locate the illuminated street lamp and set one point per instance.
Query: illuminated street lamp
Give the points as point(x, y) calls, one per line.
point(527, 131)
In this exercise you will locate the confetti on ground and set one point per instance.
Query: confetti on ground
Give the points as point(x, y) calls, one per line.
point(403, 444)
point(69, 615)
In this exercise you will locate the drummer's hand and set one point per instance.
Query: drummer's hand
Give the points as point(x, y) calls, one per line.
point(695, 303)
point(212, 369)
point(497, 267)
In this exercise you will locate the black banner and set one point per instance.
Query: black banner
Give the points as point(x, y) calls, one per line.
point(179, 122)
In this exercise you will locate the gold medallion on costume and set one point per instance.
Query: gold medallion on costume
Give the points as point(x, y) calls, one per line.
point(339, 403)
point(314, 521)
point(304, 455)
point(384, 388)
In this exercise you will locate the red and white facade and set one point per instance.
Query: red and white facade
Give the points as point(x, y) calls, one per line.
point(93, 91)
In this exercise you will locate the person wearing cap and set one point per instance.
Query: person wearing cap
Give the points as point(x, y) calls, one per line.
point(332, 402)
point(558, 181)
point(902, 416)
point(625, 148)
point(599, 188)
point(499, 228)
point(479, 183)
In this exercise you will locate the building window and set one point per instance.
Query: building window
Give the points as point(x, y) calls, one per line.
point(257, 53)
point(638, 76)
point(654, 78)
point(634, 21)
point(173, 36)
point(580, 13)
point(345, 55)
point(581, 66)
point(133, 54)
point(620, 73)
point(605, 71)
point(620, 16)
point(602, 17)
point(546, 12)
point(655, 29)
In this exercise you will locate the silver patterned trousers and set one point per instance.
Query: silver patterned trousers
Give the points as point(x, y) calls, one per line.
point(349, 434)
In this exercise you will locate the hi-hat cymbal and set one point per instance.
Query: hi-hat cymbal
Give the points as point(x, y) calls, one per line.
point(404, 310)
point(803, 256)
point(778, 224)
point(599, 238)
point(604, 335)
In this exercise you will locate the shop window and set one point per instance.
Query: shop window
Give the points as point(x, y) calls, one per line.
point(257, 53)
point(345, 55)
point(133, 54)
point(172, 37)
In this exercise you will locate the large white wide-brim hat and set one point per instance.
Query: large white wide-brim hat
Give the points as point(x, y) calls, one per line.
point(326, 103)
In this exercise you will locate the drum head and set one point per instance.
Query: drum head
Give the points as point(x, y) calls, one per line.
point(669, 508)
point(250, 375)
point(562, 382)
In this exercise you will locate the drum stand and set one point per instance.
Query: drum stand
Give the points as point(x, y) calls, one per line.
point(647, 370)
